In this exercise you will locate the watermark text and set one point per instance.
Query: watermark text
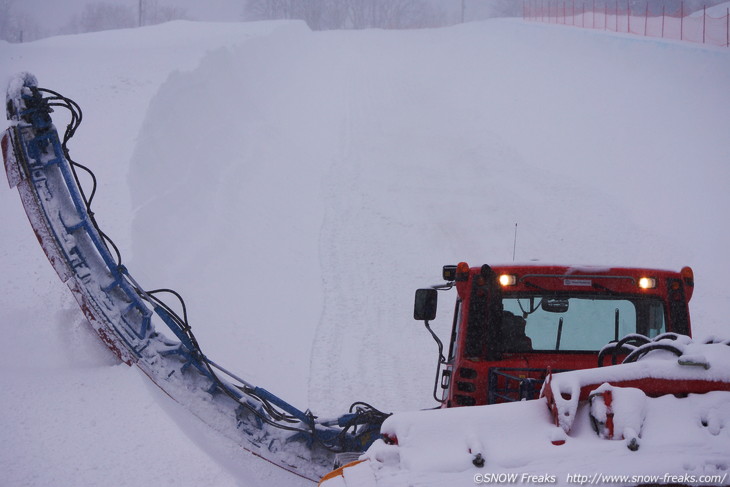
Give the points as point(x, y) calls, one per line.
point(598, 478)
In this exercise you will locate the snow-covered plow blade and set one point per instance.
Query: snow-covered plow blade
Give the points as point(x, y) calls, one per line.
point(667, 412)
point(139, 327)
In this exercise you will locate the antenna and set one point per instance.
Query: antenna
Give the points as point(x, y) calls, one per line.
point(514, 245)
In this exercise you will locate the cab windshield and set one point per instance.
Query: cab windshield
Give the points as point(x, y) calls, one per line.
point(579, 323)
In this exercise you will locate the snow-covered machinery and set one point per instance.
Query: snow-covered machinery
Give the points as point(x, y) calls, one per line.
point(523, 332)
point(136, 324)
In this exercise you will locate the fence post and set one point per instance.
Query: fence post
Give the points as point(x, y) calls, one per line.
point(646, 18)
point(681, 20)
point(704, 22)
point(663, 7)
point(628, 17)
point(573, 14)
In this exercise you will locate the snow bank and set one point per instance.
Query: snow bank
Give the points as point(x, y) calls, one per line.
point(325, 175)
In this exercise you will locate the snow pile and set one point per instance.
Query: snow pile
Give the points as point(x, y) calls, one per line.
point(663, 436)
point(518, 440)
point(296, 187)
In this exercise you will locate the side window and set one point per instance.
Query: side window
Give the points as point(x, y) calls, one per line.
point(651, 318)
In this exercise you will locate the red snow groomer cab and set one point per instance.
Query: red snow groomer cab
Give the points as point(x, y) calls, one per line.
point(514, 323)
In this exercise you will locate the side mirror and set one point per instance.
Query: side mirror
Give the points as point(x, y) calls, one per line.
point(425, 305)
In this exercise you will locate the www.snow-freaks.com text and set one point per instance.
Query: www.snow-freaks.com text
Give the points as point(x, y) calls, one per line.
point(598, 478)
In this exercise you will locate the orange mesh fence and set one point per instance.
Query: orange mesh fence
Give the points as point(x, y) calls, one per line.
point(707, 26)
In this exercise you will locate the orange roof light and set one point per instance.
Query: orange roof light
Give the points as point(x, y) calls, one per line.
point(688, 276)
point(462, 271)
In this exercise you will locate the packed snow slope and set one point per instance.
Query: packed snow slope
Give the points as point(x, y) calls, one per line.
point(297, 187)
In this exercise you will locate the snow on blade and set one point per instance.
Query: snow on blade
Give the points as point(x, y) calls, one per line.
point(669, 434)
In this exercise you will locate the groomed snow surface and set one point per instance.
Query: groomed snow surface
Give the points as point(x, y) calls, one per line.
point(297, 187)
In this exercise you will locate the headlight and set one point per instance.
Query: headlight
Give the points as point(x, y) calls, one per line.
point(647, 283)
point(508, 279)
